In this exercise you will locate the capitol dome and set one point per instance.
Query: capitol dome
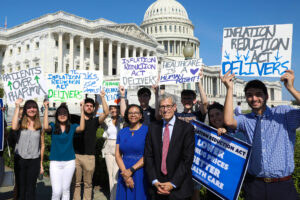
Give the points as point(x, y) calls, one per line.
point(165, 8)
point(168, 22)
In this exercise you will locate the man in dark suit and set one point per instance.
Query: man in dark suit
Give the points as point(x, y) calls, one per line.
point(169, 152)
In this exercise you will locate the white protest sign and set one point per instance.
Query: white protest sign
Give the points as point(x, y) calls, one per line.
point(90, 80)
point(111, 89)
point(138, 71)
point(26, 84)
point(64, 87)
point(176, 72)
point(257, 50)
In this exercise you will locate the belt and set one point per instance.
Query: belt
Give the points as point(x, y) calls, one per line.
point(272, 180)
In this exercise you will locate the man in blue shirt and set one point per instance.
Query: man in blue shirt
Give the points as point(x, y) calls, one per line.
point(272, 133)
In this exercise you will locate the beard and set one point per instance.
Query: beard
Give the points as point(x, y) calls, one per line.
point(89, 115)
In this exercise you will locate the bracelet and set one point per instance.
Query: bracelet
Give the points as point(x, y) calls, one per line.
point(132, 170)
point(122, 97)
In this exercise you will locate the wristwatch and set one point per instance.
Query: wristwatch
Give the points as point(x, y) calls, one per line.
point(132, 170)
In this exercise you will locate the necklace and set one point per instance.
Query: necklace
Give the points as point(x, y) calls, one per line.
point(132, 131)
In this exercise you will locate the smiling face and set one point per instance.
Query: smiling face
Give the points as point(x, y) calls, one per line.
point(134, 115)
point(256, 99)
point(167, 109)
point(31, 111)
point(216, 118)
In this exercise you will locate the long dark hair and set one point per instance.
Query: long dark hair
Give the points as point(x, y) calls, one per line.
point(57, 123)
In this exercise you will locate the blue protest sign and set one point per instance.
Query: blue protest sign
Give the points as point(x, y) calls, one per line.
point(1, 127)
point(220, 162)
point(257, 50)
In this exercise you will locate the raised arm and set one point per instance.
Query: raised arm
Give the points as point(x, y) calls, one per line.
point(105, 108)
point(288, 80)
point(81, 126)
point(123, 105)
point(15, 120)
point(229, 120)
point(156, 92)
point(47, 128)
point(203, 97)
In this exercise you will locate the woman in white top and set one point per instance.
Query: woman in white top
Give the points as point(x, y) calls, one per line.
point(112, 125)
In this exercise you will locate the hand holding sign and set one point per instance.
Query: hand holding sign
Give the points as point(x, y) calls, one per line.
point(227, 79)
point(46, 104)
point(102, 94)
point(122, 90)
point(18, 102)
point(288, 79)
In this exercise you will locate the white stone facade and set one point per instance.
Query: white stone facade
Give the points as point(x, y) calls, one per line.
point(61, 41)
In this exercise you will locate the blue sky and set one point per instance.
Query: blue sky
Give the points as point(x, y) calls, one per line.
point(209, 18)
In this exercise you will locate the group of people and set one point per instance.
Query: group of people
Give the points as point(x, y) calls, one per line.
point(149, 151)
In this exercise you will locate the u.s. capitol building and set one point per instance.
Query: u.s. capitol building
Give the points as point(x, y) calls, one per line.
point(59, 42)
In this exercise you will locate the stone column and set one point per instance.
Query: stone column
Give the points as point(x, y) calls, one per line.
point(60, 51)
point(126, 51)
point(180, 48)
point(101, 55)
point(133, 51)
point(141, 52)
point(118, 57)
point(81, 53)
point(148, 53)
point(92, 66)
point(110, 57)
point(71, 52)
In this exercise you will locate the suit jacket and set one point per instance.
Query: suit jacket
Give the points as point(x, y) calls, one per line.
point(179, 159)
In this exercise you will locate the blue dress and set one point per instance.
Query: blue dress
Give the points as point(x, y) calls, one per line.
point(131, 145)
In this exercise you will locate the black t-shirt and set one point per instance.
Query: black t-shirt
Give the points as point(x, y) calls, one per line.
point(85, 142)
point(191, 116)
point(149, 116)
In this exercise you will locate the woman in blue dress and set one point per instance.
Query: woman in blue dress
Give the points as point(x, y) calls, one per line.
point(132, 182)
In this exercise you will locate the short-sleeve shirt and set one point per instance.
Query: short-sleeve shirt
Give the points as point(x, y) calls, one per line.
point(149, 116)
point(191, 116)
point(62, 144)
point(85, 142)
point(273, 149)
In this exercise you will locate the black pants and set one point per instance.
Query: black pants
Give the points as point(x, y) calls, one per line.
point(166, 197)
point(26, 172)
point(259, 190)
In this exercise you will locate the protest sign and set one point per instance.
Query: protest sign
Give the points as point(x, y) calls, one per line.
point(111, 89)
point(1, 127)
point(26, 84)
point(175, 72)
point(90, 80)
point(257, 50)
point(220, 162)
point(138, 71)
point(65, 87)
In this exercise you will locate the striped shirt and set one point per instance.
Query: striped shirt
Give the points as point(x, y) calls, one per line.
point(273, 137)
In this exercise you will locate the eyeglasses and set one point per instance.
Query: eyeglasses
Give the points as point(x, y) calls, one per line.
point(62, 114)
point(168, 107)
point(134, 113)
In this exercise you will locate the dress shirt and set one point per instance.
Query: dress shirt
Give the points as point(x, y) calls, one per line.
point(277, 133)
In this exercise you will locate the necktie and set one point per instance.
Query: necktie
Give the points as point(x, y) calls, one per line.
point(166, 142)
point(255, 164)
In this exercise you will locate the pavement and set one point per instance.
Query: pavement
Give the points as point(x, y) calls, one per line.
point(43, 191)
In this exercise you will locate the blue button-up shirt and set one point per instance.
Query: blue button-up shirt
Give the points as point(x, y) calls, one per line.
point(274, 140)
